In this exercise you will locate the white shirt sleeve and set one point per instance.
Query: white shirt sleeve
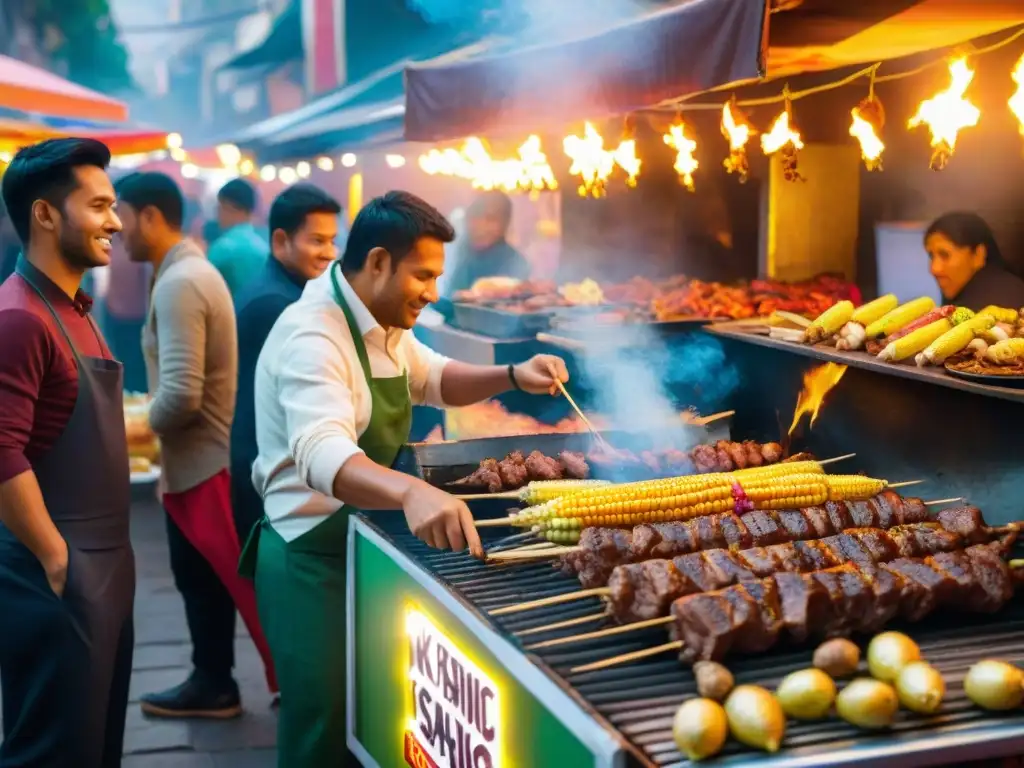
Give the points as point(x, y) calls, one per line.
point(315, 389)
point(425, 369)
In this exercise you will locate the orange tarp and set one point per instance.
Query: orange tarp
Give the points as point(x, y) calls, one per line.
point(15, 134)
point(30, 89)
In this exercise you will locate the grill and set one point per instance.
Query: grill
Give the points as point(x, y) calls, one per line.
point(638, 700)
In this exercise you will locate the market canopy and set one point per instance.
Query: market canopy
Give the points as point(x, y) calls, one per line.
point(30, 89)
point(673, 54)
point(690, 46)
point(15, 134)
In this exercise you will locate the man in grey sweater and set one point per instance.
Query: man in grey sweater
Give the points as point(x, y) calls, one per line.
point(191, 350)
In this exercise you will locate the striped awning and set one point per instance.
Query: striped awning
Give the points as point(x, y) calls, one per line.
point(36, 91)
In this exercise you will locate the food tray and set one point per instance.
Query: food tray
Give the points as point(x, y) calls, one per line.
point(999, 380)
point(499, 323)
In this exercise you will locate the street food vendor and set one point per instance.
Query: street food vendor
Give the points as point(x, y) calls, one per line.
point(335, 385)
point(966, 263)
point(483, 250)
point(67, 572)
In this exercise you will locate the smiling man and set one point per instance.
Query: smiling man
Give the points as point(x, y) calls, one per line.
point(67, 572)
point(335, 386)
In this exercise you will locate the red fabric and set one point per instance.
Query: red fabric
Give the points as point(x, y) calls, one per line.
point(204, 515)
point(38, 377)
point(322, 54)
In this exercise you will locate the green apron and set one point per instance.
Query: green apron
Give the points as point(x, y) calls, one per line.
point(300, 591)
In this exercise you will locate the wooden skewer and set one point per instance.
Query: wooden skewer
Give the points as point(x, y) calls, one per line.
point(617, 630)
point(500, 521)
point(553, 600)
point(499, 495)
point(954, 500)
point(562, 624)
point(627, 657)
point(905, 484)
point(702, 421)
point(520, 554)
point(579, 412)
point(834, 459)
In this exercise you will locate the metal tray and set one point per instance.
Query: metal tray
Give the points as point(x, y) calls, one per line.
point(993, 379)
point(499, 323)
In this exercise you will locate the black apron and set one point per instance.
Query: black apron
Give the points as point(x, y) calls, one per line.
point(66, 662)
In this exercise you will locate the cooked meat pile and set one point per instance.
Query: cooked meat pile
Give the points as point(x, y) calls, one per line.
point(752, 616)
point(516, 470)
point(723, 456)
point(645, 590)
point(601, 549)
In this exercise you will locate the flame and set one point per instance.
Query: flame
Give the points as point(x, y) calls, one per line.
point(947, 113)
point(1017, 100)
point(738, 131)
point(626, 159)
point(685, 163)
point(780, 135)
point(590, 161)
point(818, 382)
point(868, 119)
point(529, 171)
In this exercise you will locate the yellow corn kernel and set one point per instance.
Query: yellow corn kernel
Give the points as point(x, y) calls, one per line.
point(868, 313)
point(900, 317)
point(853, 487)
point(914, 342)
point(952, 341)
point(1001, 314)
point(830, 321)
point(539, 491)
point(782, 469)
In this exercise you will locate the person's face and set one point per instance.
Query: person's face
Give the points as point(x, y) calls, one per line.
point(400, 294)
point(484, 230)
point(141, 231)
point(952, 265)
point(86, 223)
point(227, 215)
point(311, 250)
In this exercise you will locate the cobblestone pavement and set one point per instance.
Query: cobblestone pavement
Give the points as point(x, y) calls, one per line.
point(162, 659)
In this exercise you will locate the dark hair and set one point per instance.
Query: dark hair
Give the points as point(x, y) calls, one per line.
point(967, 230)
point(151, 188)
point(493, 202)
point(46, 171)
point(239, 193)
point(394, 222)
point(289, 210)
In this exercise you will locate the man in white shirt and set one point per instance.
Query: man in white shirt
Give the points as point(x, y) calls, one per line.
point(335, 385)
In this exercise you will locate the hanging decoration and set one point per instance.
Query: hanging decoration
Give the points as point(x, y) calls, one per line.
point(738, 130)
point(625, 154)
point(947, 113)
point(1017, 100)
point(529, 171)
point(684, 147)
point(590, 161)
point(785, 139)
point(866, 128)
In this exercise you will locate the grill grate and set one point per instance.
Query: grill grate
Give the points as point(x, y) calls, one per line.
point(640, 699)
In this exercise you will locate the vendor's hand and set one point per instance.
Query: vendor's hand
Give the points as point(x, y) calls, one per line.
point(440, 520)
point(56, 568)
point(539, 374)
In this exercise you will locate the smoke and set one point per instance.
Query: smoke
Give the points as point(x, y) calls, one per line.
point(640, 380)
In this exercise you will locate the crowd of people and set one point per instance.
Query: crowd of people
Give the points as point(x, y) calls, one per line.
point(282, 375)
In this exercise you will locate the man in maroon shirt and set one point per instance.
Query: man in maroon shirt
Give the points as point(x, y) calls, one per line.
point(67, 572)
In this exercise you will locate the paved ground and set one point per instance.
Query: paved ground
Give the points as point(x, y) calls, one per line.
point(162, 652)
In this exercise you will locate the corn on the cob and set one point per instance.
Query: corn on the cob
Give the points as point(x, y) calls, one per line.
point(1001, 314)
point(961, 315)
point(830, 321)
point(954, 340)
point(853, 487)
point(914, 342)
point(562, 536)
point(1006, 352)
point(782, 469)
point(539, 491)
point(868, 313)
point(903, 315)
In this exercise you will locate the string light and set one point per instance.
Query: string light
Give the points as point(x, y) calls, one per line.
point(229, 155)
point(268, 173)
point(738, 130)
point(174, 141)
point(302, 170)
point(684, 147)
point(784, 138)
point(1017, 100)
point(947, 113)
point(348, 160)
point(287, 175)
point(325, 164)
point(189, 171)
point(246, 167)
point(394, 161)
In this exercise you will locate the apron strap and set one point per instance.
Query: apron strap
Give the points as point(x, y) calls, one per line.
point(56, 317)
point(353, 326)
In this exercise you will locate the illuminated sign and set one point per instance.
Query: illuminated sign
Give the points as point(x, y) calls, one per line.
point(455, 722)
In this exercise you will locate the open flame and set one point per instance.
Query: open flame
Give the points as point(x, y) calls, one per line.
point(529, 171)
point(818, 382)
point(590, 161)
point(947, 113)
point(868, 119)
point(781, 135)
point(1017, 100)
point(737, 129)
point(625, 157)
point(684, 146)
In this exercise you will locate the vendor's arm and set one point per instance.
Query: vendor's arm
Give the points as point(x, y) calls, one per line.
point(316, 394)
point(180, 312)
point(439, 381)
point(24, 355)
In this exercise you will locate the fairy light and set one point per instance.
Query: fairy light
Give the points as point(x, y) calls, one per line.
point(1017, 100)
point(325, 164)
point(229, 155)
point(174, 141)
point(302, 170)
point(947, 113)
point(348, 160)
point(246, 167)
point(287, 175)
point(268, 173)
point(590, 161)
point(189, 171)
point(738, 130)
point(394, 161)
point(684, 147)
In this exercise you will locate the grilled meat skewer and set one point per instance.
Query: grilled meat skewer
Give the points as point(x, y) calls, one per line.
point(645, 590)
point(516, 470)
point(601, 549)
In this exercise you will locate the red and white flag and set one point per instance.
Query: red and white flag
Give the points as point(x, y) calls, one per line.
point(323, 41)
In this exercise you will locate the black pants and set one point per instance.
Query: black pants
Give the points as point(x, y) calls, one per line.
point(246, 505)
point(209, 609)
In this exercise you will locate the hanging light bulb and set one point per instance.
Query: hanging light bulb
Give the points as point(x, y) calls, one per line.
point(325, 164)
point(348, 160)
point(268, 173)
point(189, 171)
point(784, 138)
point(287, 175)
point(738, 130)
point(302, 169)
point(246, 167)
point(684, 147)
point(947, 113)
point(1017, 100)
